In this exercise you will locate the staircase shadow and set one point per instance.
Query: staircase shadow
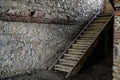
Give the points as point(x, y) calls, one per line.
point(99, 65)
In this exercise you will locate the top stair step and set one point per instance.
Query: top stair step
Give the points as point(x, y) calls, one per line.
point(104, 15)
point(99, 21)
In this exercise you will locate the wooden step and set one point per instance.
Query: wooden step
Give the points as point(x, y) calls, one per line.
point(94, 25)
point(97, 24)
point(76, 52)
point(97, 27)
point(80, 48)
point(104, 15)
point(82, 43)
point(94, 28)
point(90, 32)
point(73, 55)
point(72, 58)
point(61, 67)
point(73, 51)
point(76, 47)
point(66, 63)
point(102, 18)
point(100, 21)
point(79, 40)
point(87, 36)
point(79, 45)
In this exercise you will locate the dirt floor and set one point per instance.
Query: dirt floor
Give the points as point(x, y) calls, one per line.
point(101, 70)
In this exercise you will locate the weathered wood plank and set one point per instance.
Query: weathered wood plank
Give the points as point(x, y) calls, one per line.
point(31, 19)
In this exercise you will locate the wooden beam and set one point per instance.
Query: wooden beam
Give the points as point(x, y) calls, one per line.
point(30, 19)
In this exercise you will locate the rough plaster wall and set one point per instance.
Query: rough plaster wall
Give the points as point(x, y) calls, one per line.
point(28, 46)
point(116, 67)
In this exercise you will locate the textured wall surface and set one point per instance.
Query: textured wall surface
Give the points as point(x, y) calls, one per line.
point(116, 53)
point(28, 46)
point(65, 9)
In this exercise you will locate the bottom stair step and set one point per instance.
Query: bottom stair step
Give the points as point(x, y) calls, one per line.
point(61, 67)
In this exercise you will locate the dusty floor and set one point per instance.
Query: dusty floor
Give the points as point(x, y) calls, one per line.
point(101, 70)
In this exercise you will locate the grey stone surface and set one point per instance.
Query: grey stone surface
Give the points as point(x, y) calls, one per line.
point(65, 9)
point(28, 46)
point(116, 52)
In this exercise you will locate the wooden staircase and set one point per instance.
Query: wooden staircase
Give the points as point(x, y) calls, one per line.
point(75, 55)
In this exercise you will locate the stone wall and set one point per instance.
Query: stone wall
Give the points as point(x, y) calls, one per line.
point(65, 9)
point(28, 46)
point(116, 54)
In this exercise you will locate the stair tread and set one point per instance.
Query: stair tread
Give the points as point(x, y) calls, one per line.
point(99, 21)
point(91, 31)
point(80, 48)
point(77, 52)
point(72, 58)
point(75, 49)
point(80, 45)
point(87, 36)
point(59, 69)
point(98, 24)
point(102, 18)
point(95, 27)
point(104, 15)
point(62, 67)
point(68, 60)
point(79, 40)
point(73, 55)
point(65, 66)
point(66, 63)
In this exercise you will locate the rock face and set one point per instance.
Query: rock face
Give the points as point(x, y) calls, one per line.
point(28, 46)
point(116, 53)
point(72, 9)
